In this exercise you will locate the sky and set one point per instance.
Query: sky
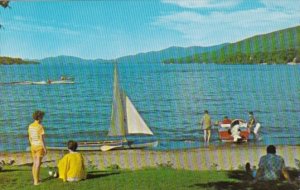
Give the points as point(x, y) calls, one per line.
point(109, 29)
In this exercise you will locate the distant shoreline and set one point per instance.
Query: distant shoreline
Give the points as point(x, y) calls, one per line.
point(232, 63)
point(15, 61)
point(20, 64)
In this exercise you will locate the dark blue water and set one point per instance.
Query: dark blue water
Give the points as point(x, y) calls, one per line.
point(171, 98)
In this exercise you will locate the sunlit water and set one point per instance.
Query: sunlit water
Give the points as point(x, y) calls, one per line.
point(171, 98)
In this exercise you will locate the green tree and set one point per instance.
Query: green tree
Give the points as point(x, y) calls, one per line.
point(205, 57)
point(273, 42)
point(172, 60)
point(180, 60)
point(256, 44)
point(239, 48)
point(214, 56)
point(197, 58)
point(231, 49)
point(291, 39)
point(298, 38)
point(282, 40)
point(248, 51)
point(222, 55)
point(188, 59)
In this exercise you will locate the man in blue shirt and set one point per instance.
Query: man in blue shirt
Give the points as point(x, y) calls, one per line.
point(271, 166)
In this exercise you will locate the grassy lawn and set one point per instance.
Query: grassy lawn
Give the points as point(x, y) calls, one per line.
point(20, 178)
point(146, 179)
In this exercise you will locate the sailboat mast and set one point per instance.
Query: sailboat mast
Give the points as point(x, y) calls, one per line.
point(125, 128)
point(117, 127)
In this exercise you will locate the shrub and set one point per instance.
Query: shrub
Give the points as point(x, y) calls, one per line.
point(168, 164)
point(113, 167)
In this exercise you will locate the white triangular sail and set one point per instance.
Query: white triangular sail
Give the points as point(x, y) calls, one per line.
point(135, 123)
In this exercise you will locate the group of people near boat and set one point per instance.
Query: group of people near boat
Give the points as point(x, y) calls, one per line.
point(234, 126)
point(71, 167)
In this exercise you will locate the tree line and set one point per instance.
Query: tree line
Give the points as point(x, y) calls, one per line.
point(276, 47)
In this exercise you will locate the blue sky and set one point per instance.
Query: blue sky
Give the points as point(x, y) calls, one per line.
point(110, 29)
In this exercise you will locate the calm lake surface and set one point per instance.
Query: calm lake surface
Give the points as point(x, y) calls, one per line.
point(171, 99)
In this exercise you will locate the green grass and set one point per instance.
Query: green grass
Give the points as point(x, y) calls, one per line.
point(164, 178)
point(12, 178)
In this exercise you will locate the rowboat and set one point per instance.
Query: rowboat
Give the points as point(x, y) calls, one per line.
point(236, 131)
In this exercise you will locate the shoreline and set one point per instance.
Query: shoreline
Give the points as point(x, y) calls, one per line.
point(217, 158)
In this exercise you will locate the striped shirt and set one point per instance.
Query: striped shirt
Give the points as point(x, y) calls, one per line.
point(272, 166)
point(35, 132)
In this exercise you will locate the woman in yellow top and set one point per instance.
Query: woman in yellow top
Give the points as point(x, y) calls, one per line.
point(71, 166)
point(38, 149)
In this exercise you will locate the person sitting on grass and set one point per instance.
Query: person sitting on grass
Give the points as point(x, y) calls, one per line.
point(37, 144)
point(271, 167)
point(71, 166)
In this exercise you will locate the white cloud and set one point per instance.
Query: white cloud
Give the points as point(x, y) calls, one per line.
point(203, 3)
point(283, 5)
point(220, 27)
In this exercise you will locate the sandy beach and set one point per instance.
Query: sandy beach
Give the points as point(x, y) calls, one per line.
point(220, 158)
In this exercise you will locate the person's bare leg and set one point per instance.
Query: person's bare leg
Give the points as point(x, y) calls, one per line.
point(37, 170)
point(208, 136)
point(205, 135)
point(33, 169)
point(286, 175)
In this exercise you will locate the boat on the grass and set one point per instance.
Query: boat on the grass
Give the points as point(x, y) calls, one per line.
point(236, 131)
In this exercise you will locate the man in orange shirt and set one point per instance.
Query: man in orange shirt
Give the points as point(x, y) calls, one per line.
point(226, 120)
point(38, 149)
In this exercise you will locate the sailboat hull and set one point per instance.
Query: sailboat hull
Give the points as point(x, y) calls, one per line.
point(110, 145)
point(128, 145)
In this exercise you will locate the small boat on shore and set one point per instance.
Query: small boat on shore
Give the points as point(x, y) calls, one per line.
point(236, 131)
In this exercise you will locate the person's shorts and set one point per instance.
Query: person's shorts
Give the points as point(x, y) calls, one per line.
point(37, 151)
point(207, 128)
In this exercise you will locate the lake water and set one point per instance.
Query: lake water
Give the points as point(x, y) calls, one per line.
point(171, 98)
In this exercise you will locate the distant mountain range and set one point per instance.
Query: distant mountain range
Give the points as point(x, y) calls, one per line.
point(71, 59)
point(282, 46)
point(160, 56)
point(278, 46)
point(148, 57)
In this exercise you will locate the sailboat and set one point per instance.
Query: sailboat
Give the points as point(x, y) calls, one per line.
point(125, 121)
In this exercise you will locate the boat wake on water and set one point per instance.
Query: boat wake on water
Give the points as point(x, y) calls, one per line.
point(39, 82)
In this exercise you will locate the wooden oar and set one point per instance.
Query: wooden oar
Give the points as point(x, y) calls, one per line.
point(109, 147)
